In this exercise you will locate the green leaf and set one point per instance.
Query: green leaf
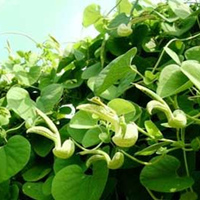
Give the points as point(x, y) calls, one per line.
point(91, 137)
point(50, 96)
point(173, 55)
point(76, 134)
point(91, 71)
point(172, 81)
point(192, 70)
point(180, 9)
point(195, 143)
point(24, 77)
point(4, 190)
point(151, 149)
point(122, 106)
point(189, 196)
point(152, 130)
point(13, 157)
point(41, 145)
point(91, 14)
point(178, 30)
point(72, 183)
point(162, 176)
point(114, 71)
point(36, 172)
point(14, 192)
point(20, 102)
point(34, 190)
point(83, 120)
point(108, 94)
point(193, 53)
point(124, 6)
point(46, 187)
point(59, 163)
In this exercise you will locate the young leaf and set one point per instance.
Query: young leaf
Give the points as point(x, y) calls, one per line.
point(193, 53)
point(152, 130)
point(162, 176)
point(122, 106)
point(83, 120)
point(181, 9)
point(151, 149)
point(124, 6)
point(91, 137)
point(36, 172)
point(173, 55)
point(72, 183)
point(91, 15)
point(114, 71)
point(192, 70)
point(172, 81)
point(20, 102)
point(91, 71)
point(50, 96)
point(13, 157)
point(34, 190)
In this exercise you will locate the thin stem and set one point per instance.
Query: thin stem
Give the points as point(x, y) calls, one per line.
point(142, 131)
point(133, 8)
point(137, 72)
point(161, 55)
point(185, 156)
point(177, 134)
point(163, 51)
point(102, 52)
point(113, 8)
point(151, 194)
point(21, 34)
point(134, 159)
point(14, 129)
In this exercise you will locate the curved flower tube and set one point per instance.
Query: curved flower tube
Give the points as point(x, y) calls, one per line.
point(127, 137)
point(61, 151)
point(114, 163)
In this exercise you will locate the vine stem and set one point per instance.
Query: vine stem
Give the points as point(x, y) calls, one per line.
point(185, 156)
point(163, 51)
point(151, 194)
point(133, 8)
point(21, 34)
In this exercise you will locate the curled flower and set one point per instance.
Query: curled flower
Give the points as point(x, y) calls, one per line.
point(65, 151)
point(114, 163)
point(178, 120)
point(124, 30)
point(127, 137)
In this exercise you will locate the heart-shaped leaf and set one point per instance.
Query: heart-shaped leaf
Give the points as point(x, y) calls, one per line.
point(51, 94)
point(162, 175)
point(191, 69)
point(72, 183)
point(114, 71)
point(172, 81)
point(20, 102)
point(13, 157)
point(193, 53)
point(83, 120)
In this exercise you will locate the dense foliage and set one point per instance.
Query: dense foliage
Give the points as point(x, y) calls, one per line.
point(114, 117)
